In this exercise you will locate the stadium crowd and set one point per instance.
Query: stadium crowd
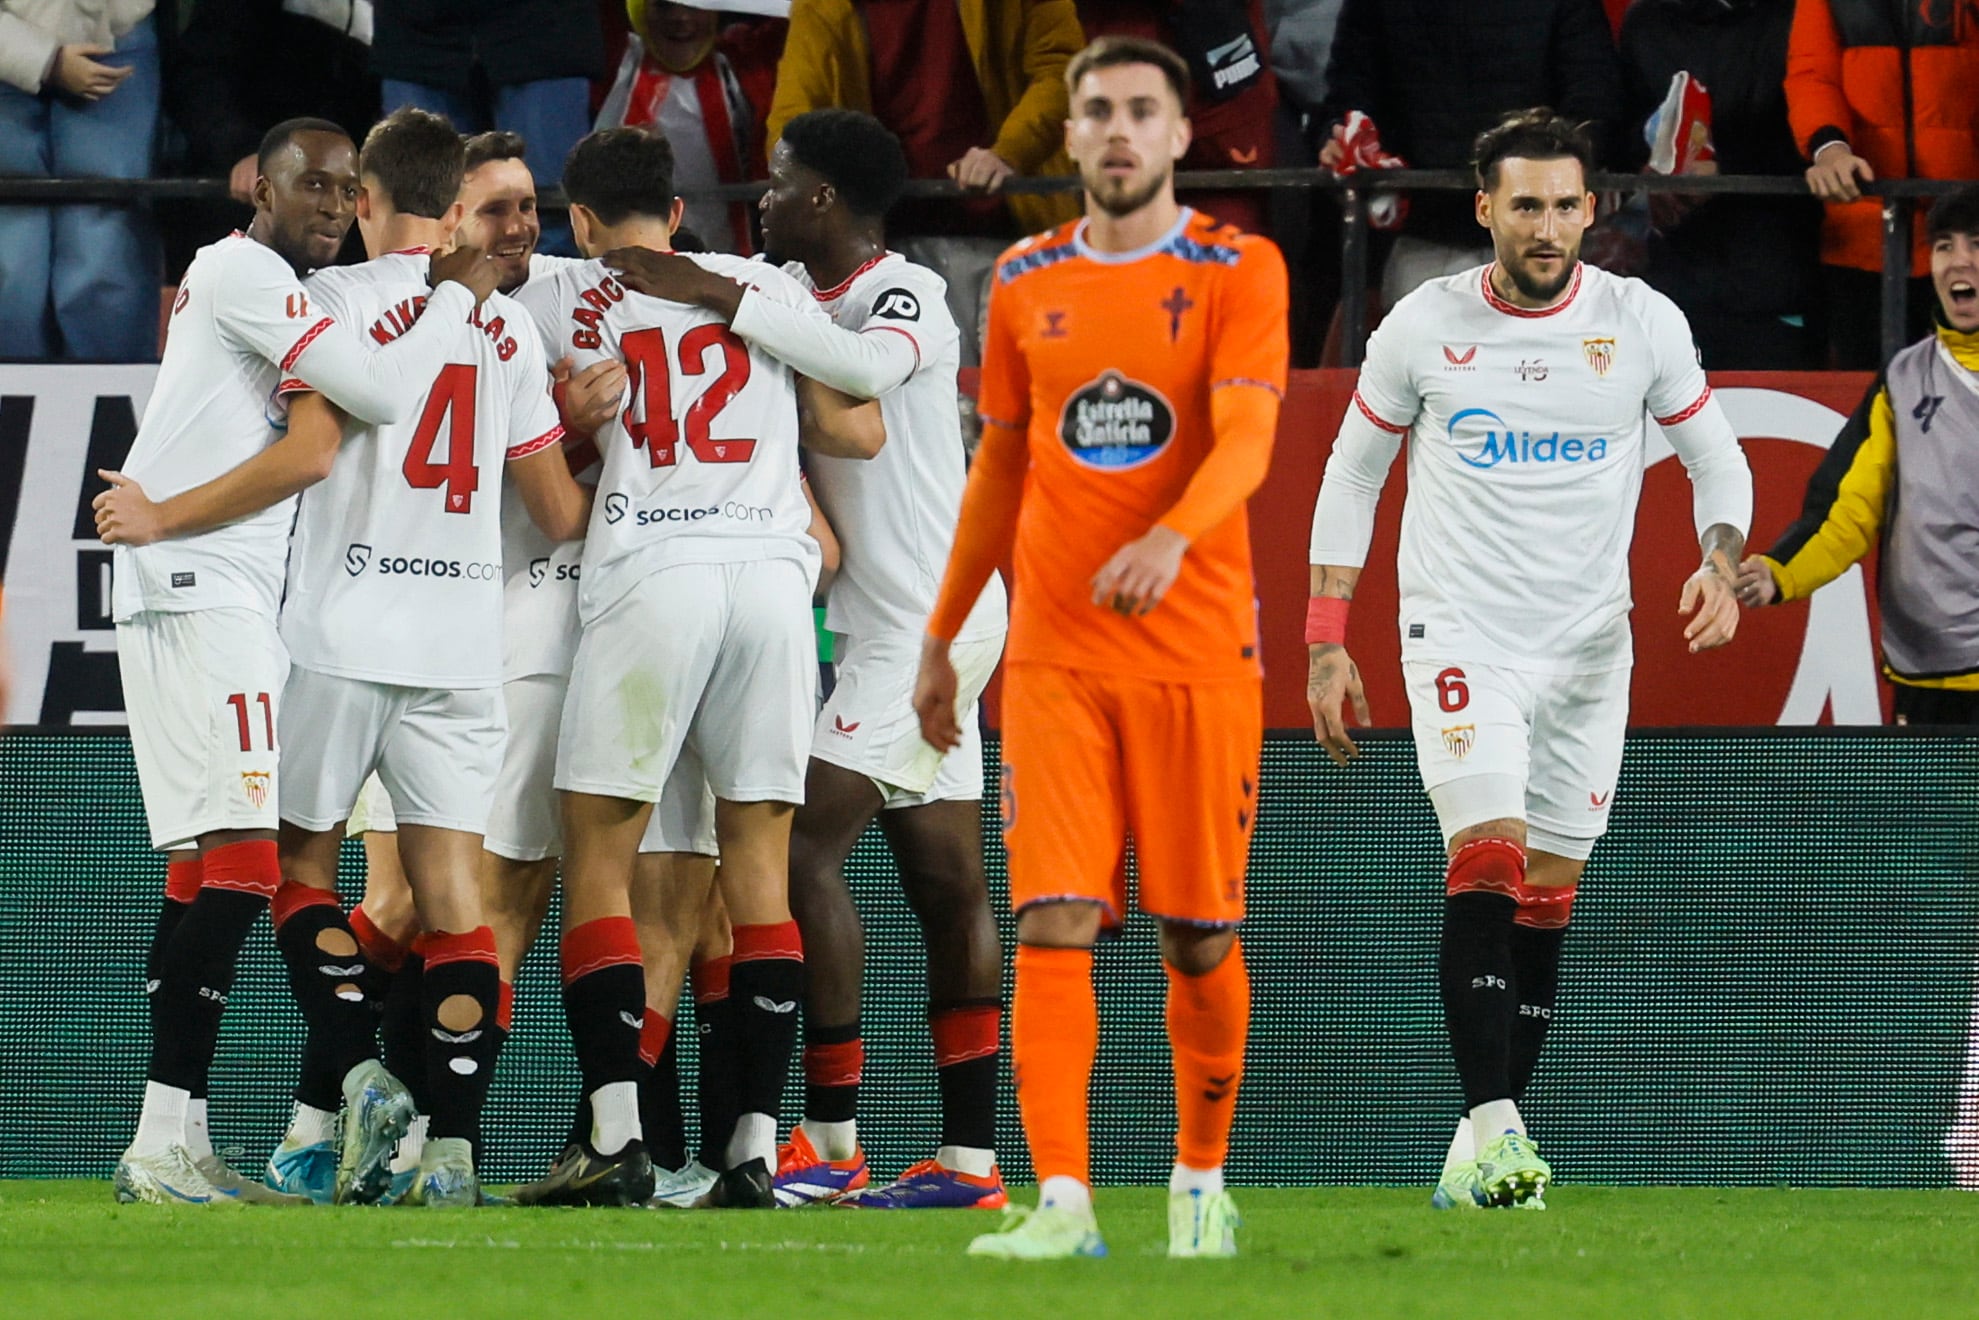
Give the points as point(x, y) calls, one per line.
point(603, 674)
point(1836, 91)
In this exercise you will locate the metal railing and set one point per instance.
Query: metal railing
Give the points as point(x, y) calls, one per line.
point(1899, 198)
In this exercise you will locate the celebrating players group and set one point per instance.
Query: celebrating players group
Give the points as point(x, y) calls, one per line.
point(507, 562)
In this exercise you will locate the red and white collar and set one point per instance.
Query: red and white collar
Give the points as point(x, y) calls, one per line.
point(838, 290)
point(1513, 309)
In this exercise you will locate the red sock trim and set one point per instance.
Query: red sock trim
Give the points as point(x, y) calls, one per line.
point(289, 899)
point(1546, 908)
point(962, 1034)
point(596, 945)
point(1487, 866)
point(710, 979)
point(248, 867)
point(840, 1063)
point(182, 879)
point(653, 1033)
point(380, 949)
point(759, 943)
point(505, 1005)
point(438, 948)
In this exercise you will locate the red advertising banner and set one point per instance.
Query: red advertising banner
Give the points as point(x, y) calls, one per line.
point(1805, 663)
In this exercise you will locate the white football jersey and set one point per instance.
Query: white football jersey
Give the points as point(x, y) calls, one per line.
point(539, 605)
point(700, 465)
point(895, 513)
point(241, 318)
point(1526, 438)
point(396, 567)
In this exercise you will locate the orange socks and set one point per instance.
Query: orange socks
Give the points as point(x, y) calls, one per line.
point(1054, 1034)
point(1209, 1019)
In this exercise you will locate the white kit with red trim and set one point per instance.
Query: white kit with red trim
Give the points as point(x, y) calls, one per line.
point(895, 513)
point(1526, 434)
point(396, 569)
point(700, 466)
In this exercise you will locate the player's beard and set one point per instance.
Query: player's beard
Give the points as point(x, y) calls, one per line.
point(1542, 291)
point(1113, 197)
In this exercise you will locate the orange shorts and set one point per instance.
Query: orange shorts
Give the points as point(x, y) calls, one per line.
point(1090, 760)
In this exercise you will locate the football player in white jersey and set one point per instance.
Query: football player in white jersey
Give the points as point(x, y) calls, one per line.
point(393, 621)
point(832, 177)
point(1525, 389)
point(696, 581)
point(198, 577)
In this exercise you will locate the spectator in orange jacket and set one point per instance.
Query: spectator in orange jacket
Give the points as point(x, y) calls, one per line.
point(1854, 67)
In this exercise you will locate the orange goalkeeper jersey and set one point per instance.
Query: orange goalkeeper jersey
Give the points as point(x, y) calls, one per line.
point(1107, 368)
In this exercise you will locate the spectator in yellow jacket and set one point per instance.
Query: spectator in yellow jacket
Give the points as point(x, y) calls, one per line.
point(1900, 479)
point(975, 91)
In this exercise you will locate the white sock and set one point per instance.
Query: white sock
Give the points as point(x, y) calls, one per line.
point(1066, 1194)
point(161, 1124)
point(614, 1117)
point(972, 1160)
point(1185, 1179)
point(754, 1139)
point(411, 1146)
point(309, 1126)
point(1463, 1148)
point(1493, 1119)
point(198, 1140)
point(834, 1141)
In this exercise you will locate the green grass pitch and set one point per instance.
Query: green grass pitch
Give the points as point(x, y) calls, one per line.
point(67, 1250)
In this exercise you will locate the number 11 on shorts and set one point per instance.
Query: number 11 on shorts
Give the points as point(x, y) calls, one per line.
point(239, 701)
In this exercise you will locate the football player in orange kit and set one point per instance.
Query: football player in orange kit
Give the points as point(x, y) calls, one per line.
point(1132, 375)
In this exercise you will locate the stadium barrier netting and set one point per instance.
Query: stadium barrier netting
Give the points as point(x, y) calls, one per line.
point(1770, 979)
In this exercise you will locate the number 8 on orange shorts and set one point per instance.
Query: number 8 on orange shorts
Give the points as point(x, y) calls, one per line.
point(1091, 759)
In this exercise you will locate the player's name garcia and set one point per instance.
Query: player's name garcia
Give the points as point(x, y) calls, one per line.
point(1502, 444)
point(618, 507)
point(359, 557)
point(397, 320)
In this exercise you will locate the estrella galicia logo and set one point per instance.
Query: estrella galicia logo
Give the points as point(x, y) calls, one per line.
point(615, 505)
point(356, 557)
point(1483, 439)
point(537, 568)
point(897, 305)
point(1116, 423)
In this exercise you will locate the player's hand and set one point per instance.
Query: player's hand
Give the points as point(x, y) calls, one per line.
point(240, 179)
point(1835, 173)
point(591, 396)
point(1140, 572)
point(1332, 682)
point(468, 265)
point(935, 690)
point(981, 170)
point(674, 278)
point(79, 74)
point(1755, 583)
point(125, 515)
point(1711, 594)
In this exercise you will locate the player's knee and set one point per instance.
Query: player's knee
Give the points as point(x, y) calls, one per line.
point(1485, 864)
point(1196, 950)
point(1060, 924)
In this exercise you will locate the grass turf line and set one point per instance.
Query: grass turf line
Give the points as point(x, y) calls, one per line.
point(67, 1249)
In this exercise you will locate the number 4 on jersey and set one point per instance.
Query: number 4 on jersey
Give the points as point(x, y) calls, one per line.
point(451, 400)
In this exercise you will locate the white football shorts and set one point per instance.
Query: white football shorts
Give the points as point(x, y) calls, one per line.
point(718, 657)
point(373, 813)
point(436, 750)
point(1559, 736)
point(203, 691)
point(869, 726)
point(526, 825)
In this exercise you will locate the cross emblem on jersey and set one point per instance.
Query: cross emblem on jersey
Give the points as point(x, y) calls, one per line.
point(1175, 304)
